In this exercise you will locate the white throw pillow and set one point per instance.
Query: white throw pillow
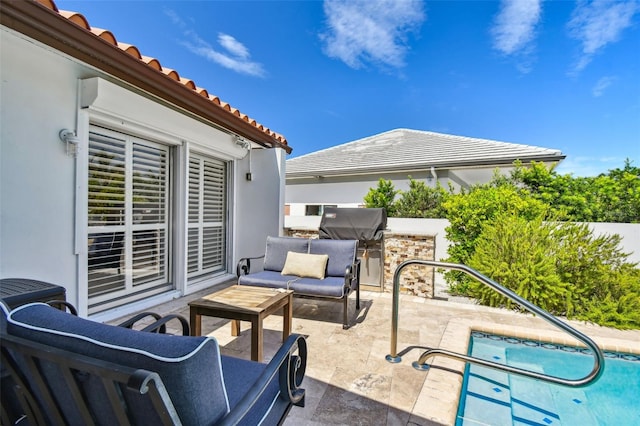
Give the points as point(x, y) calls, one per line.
point(305, 265)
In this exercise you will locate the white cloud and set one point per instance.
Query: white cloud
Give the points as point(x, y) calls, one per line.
point(233, 46)
point(234, 55)
point(588, 166)
point(368, 31)
point(602, 85)
point(515, 25)
point(598, 23)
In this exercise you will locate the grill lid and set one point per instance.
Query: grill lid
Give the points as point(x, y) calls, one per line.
point(339, 223)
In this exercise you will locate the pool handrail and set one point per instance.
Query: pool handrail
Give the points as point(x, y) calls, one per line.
point(393, 357)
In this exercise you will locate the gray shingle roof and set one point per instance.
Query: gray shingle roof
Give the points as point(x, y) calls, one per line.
point(406, 149)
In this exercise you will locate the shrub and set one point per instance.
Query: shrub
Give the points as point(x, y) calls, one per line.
point(518, 254)
point(468, 213)
point(421, 201)
point(383, 196)
point(561, 267)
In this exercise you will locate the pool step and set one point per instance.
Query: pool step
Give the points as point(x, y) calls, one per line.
point(532, 401)
point(539, 403)
point(488, 399)
point(574, 406)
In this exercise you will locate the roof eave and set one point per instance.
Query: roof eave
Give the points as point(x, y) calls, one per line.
point(412, 168)
point(52, 29)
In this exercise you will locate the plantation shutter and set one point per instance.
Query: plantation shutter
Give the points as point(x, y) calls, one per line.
point(207, 216)
point(128, 217)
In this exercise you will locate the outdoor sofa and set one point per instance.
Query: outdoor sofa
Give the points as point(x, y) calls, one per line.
point(315, 268)
point(60, 369)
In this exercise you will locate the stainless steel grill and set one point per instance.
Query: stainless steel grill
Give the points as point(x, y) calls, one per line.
point(365, 225)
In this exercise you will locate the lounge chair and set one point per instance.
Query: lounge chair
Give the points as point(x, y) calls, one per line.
point(68, 370)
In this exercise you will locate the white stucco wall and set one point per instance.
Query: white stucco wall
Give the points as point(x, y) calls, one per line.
point(351, 190)
point(344, 190)
point(38, 98)
point(41, 91)
point(259, 203)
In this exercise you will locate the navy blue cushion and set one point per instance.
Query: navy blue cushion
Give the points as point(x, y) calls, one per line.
point(240, 375)
point(342, 253)
point(277, 249)
point(328, 287)
point(270, 279)
point(189, 367)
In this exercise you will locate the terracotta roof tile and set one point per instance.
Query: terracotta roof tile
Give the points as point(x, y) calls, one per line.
point(105, 35)
point(76, 18)
point(171, 73)
point(49, 4)
point(132, 50)
point(189, 83)
point(152, 62)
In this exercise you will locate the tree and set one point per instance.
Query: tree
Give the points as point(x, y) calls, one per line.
point(611, 197)
point(382, 197)
point(421, 201)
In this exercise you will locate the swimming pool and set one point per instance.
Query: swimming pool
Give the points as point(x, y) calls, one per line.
point(491, 397)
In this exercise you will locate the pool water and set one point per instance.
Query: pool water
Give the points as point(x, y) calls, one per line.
point(491, 397)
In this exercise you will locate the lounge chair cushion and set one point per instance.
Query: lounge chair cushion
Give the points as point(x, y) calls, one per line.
point(189, 367)
point(328, 287)
point(240, 375)
point(342, 254)
point(277, 249)
point(269, 279)
point(305, 265)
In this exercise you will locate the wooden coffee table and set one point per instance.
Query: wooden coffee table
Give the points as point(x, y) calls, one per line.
point(244, 303)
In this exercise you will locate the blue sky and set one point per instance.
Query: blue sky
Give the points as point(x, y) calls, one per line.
point(556, 74)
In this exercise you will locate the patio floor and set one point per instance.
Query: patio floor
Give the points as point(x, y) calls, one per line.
point(348, 380)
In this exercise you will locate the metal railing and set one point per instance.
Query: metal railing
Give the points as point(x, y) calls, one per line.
point(393, 357)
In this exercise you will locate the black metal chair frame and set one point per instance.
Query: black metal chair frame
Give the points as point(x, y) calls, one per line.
point(285, 364)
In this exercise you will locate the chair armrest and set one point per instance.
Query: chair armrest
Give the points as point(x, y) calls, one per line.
point(134, 319)
point(159, 325)
point(287, 368)
point(244, 265)
point(59, 304)
point(352, 274)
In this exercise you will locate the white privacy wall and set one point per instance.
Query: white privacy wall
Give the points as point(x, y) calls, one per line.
point(629, 232)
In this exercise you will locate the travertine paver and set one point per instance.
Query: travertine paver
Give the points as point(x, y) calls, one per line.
point(348, 380)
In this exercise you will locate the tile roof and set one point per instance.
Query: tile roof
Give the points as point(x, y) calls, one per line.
point(153, 63)
point(405, 149)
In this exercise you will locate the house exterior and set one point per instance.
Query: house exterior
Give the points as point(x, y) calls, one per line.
point(342, 175)
point(121, 180)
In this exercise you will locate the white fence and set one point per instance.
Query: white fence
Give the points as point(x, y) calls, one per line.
point(630, 232)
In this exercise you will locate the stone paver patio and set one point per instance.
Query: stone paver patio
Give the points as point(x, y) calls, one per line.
point(348, 380)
